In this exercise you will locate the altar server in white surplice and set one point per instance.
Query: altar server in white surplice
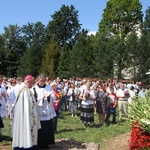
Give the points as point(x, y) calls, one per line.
point(25, 119)
point(46, 112)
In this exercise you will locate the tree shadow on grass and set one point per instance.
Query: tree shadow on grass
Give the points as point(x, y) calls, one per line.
point(69, 130)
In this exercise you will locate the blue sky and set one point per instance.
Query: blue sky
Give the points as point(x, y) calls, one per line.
point(21, 12)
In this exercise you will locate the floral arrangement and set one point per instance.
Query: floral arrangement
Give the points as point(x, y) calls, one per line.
point(56, 103)
point(87, 95)
point(140, 139)
point(126, 93)
point(59, 94)
point(139, 115)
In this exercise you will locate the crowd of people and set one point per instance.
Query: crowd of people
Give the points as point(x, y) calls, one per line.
point(34, 104)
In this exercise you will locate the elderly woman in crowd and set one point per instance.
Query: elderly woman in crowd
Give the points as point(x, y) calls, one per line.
point(73, 100)
point(87, 106)
point(101, 103)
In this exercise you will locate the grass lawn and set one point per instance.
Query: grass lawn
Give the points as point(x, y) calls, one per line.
point(71, 128)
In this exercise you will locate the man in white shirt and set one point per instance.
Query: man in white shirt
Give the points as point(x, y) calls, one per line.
point(122, 95)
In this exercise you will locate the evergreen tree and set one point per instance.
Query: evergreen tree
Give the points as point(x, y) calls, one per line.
point(133, 47)
point(15, 48)
point(3, 61)
point(120, 56)
point(31, 61)
point(121, 18)
point(50, 59)
point(103, 57)
point(33, 33)
point(144, 51)
point(64, 62)
point(81, 57)
point(146, 24)
point(144, 58)
point(65, 25)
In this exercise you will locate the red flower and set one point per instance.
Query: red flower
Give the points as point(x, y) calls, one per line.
point(58, 95)
point(139, 139)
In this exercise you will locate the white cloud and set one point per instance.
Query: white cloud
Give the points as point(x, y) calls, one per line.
point(92, 32)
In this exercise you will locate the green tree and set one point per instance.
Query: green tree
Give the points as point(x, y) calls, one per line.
point(64, 25)
point(120, 56)
point(33, 35)
point(103, 57)
point(33, 32)
point(121, 17)
point(133, 47)
point(144, 51)
point(64, 62)
point(144, 58)
point(3, 65)
point(146, 24)
point(31, 61)
point(15, 48)
point(81, 57)
point(50, 59)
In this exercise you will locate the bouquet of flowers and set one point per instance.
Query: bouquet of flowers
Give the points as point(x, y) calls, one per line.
point(87, 95)
point(56, 103)
point(59, 95)
point(126, 93)
point(139, 117)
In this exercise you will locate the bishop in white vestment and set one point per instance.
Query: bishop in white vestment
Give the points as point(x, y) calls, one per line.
point(25, 123)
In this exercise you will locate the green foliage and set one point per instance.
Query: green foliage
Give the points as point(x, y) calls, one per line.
point(50, 59)
point(144, 50)
point(139, 112)
point(33, 36)
point(133, 49)
point(33, 33)
point(65, 25)
point(3, 68)
point(14, 49)
point(81, 57)
point(146, 24)
point(114, 48)
point(120, 18)
point(144, 59)
point(64, 60)
point(31, 61)
point(103, 58)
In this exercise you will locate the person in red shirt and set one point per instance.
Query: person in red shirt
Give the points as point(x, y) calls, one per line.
point(111, 106)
